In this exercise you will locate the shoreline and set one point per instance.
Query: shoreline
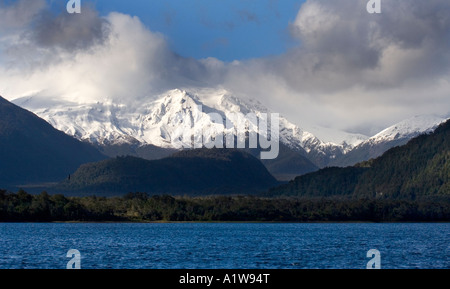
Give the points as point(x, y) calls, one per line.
point(22, 207)
point(227, 222)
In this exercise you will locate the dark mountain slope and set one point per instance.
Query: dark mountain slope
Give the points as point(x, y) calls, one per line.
point(32, 151)
point(195, 172)
point(420, 168)
point(288, 164)
point(366, 152)
point(285, 167)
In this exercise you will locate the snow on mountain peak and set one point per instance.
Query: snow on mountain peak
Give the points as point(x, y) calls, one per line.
point(409, 128)
point(163, 119)
point(157, 121)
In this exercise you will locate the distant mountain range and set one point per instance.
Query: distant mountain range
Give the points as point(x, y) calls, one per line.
point(419, 169)
point(395, 135)
point(32, 151)
point(149, 130)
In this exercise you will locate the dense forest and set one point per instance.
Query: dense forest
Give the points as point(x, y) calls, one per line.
point(140, 207)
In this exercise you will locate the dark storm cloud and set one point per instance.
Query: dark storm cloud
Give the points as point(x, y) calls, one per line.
point(341, 42)
point(19, 13)
point(70, 31)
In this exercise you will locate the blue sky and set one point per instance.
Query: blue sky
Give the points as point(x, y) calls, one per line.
point(225, 29)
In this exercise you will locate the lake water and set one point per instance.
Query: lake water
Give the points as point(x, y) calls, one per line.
point(224, 245)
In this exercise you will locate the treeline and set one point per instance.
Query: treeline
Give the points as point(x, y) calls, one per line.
point(140, 207)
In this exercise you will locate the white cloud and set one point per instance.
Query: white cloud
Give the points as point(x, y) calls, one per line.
point(129, 63)
point(115, 67)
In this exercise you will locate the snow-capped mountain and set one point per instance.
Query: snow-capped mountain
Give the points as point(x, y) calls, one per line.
point(395, 135)
point(158, 122)
point(164, 120)
point(408, 128)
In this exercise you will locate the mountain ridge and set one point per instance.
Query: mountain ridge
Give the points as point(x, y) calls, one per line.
point(421, 168)
point(396, 135)
point(159, 122)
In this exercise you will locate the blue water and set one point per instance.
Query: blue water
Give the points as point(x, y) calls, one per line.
point(224, 245)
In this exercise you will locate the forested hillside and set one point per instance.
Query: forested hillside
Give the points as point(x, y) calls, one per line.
point(418, 169)
point(191, 172)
